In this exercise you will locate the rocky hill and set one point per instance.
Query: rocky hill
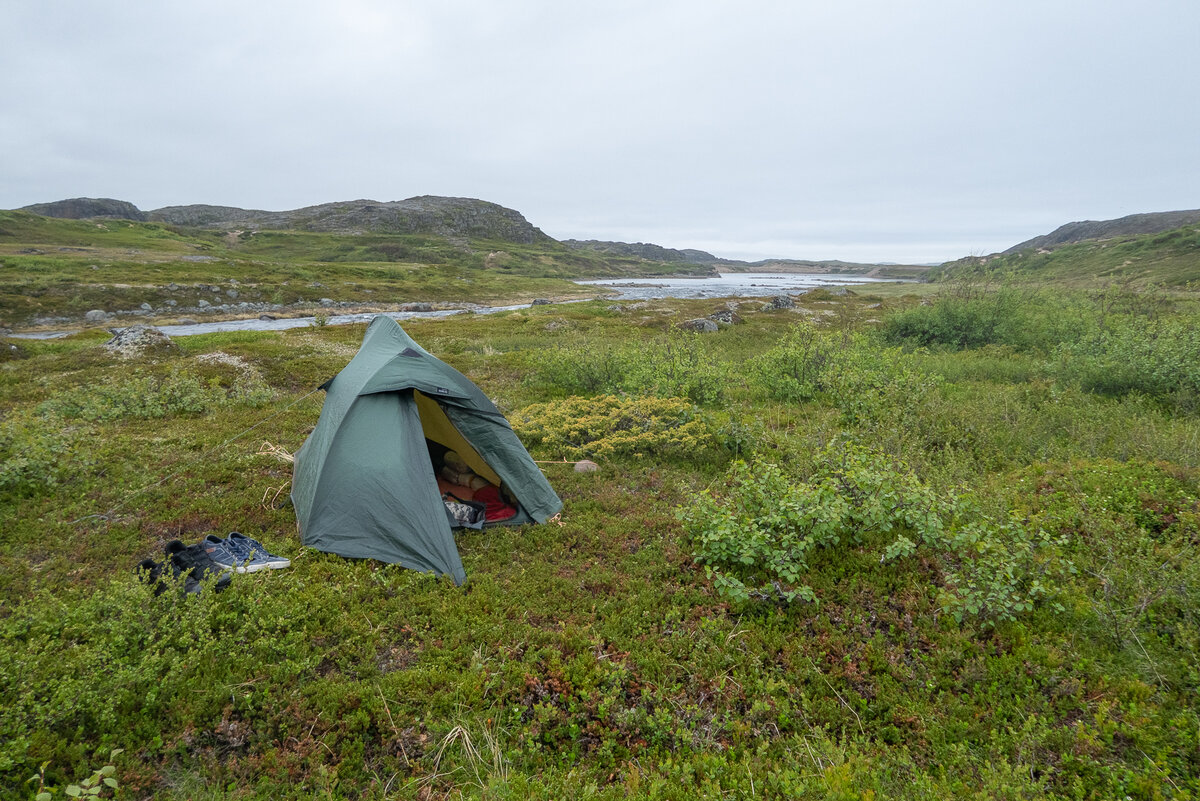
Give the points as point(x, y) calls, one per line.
point(1131, 225)
point(449, 217)
point(85, 208)
point(642, 250)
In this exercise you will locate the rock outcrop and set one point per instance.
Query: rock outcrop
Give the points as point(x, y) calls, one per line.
point(140, 340)
point(699, 325)
point(643, 250)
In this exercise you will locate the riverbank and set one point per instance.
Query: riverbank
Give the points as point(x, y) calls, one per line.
point(249, 316)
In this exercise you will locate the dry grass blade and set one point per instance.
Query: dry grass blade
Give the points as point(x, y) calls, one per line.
point(473, 756)
point(270, 498)
point(276, 452)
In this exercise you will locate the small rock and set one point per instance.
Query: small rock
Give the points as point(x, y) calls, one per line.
point(233, 293)
point(172, 287)
point(540, 302)
point(172, 302)
point(699, 325)
point(267, 317)
point(11, 350)
point(146, 307)
point(326, 302)
point(95, 316)
point(586, 466)
point(203, 304)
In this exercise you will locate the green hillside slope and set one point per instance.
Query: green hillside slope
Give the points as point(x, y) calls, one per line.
point(57, 269)
point(1171, 258)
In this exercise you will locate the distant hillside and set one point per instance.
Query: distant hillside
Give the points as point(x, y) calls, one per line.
point(455, 220)
point(642, 250)
point(657, 253)
point(1167, 258)
point(449, 217)
point(1134, 224)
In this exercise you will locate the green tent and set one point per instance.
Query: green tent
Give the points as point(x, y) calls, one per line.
point(364, 482)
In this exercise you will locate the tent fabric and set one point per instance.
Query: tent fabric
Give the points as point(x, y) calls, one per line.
point(363, 484)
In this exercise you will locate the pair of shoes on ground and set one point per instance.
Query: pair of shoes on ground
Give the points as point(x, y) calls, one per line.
point(190, 564)
point(242, 554)
point(213, 556)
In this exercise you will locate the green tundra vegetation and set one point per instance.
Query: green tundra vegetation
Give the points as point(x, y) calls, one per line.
point(914, 541)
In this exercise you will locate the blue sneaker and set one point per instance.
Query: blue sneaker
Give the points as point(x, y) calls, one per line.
point(252, 554)
point(223, 555)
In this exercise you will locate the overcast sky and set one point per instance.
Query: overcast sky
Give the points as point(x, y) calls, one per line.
point(871, 130)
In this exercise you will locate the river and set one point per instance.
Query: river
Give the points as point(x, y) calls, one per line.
point(745, 285)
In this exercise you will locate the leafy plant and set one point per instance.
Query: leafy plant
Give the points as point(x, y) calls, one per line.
point(102, 780)
point(798, 367)
point(1159, 358)
point(37, 452)
point(755, 541)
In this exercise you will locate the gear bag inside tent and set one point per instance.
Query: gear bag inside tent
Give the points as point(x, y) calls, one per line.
point(405, 449)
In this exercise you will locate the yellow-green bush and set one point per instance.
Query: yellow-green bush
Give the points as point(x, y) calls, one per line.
point(609, 426)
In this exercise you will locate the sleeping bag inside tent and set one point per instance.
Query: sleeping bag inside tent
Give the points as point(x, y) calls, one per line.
point(401, 434)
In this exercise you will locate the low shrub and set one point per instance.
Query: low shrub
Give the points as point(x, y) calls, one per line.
point(972, 317)
point(151, 396)
point(609, 426)
point(1159, 358)
point(1132, 530)
point(676, 365)
point(38, 452)
point(799, 367)
point(756, 538)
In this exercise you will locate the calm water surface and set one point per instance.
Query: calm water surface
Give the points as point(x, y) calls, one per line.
point(739, 285)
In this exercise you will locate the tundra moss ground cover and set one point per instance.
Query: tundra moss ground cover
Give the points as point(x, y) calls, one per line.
point(997, 597)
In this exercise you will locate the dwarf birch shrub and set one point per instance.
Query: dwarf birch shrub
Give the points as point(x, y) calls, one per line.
point(799, 367)
point(150, 397)
point(38, 452)
point(1158, 358)
point(755, 538)
point(969, 316)
point(754, 542)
